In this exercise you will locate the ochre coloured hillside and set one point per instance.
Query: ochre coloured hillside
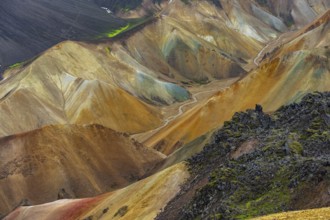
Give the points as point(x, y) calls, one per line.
point(141, 200)
point(299, 66)
point(321, 214)
point(68, 161)
point(99, 129)
point(50, 91)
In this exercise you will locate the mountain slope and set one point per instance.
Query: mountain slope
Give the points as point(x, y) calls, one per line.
point(66, 92)
point(149, 64)
point(29, 27)
point(25, 36)
point(68, 161)
point(322, 213)
point(259, 164)
point(117, 5)
point(141, 200)
point(154, 65)
point(163, 82)
point(296, 13)
point(299, 66)
point(297, 170)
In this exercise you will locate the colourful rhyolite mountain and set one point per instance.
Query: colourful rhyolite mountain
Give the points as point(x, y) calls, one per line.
point(101, 128)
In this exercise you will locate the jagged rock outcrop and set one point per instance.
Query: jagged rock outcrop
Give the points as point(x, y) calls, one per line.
point(259, 164)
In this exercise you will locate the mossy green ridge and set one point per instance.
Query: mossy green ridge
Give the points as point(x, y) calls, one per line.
point(118, 31)
point(259, 164)
point(131, 25)
point(21, 64)
point(16, 65)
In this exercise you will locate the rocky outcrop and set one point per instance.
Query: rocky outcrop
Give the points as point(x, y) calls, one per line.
point(286, 168)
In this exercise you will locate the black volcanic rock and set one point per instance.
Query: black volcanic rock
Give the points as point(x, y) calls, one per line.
point(259, 164)
point(27, 27)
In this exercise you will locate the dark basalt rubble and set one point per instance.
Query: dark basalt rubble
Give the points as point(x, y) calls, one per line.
point(259, 164)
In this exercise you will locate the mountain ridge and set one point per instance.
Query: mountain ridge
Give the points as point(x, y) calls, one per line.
point(114, 119)
point(283, 66)
point(68, 154)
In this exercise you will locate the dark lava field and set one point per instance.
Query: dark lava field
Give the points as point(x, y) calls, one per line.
point(28, 27)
